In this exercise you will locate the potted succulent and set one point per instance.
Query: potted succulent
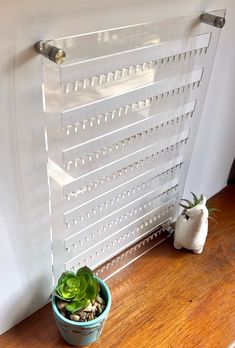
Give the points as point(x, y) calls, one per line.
point(192, 224)
point(80, 304)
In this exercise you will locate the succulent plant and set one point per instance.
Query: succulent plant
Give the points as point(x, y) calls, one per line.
point(195, 202)
point(78, 289)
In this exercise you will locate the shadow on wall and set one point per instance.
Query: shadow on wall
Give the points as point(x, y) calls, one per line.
point(231, 177)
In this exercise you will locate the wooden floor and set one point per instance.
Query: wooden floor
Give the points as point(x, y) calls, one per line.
point(166, 299)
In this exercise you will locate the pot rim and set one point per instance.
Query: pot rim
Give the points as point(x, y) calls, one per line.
point(92, 322)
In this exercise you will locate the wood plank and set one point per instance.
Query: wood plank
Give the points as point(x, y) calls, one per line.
point(165, 299)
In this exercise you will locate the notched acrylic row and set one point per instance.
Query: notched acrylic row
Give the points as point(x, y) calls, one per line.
point(107, 248)
point(131, 253)
point(124, 143)
point(124, 111)
point(119, 75)
point(129, 194)
point(132, 167)
point(119, 220)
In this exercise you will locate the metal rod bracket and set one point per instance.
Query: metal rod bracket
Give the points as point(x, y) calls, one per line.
point(53, 53)
point(215, 21)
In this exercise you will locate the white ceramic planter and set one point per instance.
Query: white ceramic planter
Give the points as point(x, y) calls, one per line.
point(191, 228)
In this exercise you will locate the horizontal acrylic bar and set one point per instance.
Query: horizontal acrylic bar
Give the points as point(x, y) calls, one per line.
point(123, 238)
point(110, 201)
point(134, 252)
point(124, 139)
point(115, 167)
point(125, 100)
point(117, 217)
point(131, 60)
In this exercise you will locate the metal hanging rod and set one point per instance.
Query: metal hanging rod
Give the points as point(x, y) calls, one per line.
point(215, 21)
point(53, 53)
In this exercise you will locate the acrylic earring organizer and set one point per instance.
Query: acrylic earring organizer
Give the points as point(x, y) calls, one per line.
point(123, 107)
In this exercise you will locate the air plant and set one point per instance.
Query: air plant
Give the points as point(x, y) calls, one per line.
point(77, 289)
point(194, 203)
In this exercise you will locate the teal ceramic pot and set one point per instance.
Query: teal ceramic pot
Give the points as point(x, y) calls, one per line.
point(83, 333)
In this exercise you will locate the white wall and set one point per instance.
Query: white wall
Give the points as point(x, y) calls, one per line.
point(25, 269)
point(214, 149)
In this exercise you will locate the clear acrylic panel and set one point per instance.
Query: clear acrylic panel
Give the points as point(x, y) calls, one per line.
point(122, 115)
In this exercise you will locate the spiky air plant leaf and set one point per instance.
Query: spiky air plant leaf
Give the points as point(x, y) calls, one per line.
point(197, 200)
point(184, 206)
point(77, 289)
point(190, 204)
point(211, 212)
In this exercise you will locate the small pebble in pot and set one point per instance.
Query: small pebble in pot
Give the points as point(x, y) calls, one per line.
point(82, 316)
point(98, 309)
point(75, 317)
point(93, 308)
point(90, 316)
point(61, 305)
point(88, 308)
point(99, 300)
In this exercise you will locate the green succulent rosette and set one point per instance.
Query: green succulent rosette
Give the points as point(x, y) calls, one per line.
point(77, 289)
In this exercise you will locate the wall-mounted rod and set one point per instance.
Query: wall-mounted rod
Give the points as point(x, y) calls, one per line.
point(55, 54)
point(215, 21)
